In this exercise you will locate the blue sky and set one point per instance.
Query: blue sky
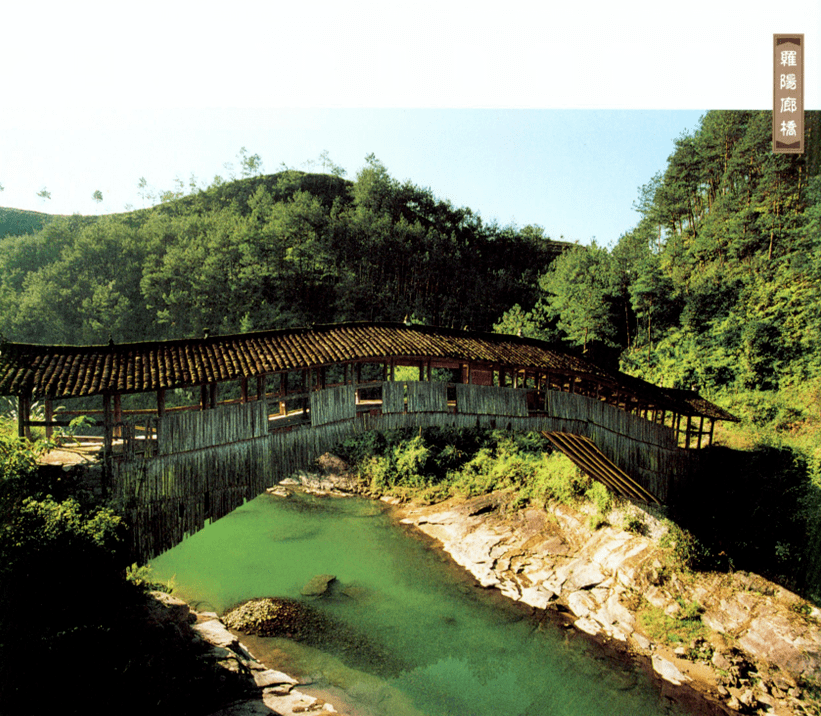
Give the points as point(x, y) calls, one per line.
point(529, 114)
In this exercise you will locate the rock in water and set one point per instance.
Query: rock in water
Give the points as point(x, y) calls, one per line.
point(289, 618)
point(318, 585)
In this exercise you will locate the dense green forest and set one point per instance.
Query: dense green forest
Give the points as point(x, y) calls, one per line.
point(718, 288)
point(718, 284)
point(264, 252)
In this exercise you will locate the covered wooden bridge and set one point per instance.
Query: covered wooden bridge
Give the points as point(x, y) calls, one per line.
point(189, 429)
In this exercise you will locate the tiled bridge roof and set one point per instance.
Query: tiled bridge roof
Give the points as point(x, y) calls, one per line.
point(75, 371)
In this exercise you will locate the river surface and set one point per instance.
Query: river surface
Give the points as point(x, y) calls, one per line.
point(417, 636)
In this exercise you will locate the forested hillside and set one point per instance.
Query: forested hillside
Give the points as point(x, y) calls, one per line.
point(718, 288)
point(719, 284)
point(266, 252)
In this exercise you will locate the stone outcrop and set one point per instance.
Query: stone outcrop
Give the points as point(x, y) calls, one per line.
point(764, 642)
point(256, 689)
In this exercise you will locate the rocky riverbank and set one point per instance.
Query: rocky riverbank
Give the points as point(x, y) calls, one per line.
point(756, 648)
point(723, 643)
point(251, 688)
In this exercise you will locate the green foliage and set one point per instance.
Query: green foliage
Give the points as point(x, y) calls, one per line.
point(601, 497)
point(435, 463)
point(142, 577)
point(16, 222)
point(683, 548)
point(635, 524)
point(719, 284)
point(66, 602)
point(685, 628)
point(269, 251)
point(597, 521)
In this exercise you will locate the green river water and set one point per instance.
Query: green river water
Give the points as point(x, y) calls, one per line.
point(432, 642)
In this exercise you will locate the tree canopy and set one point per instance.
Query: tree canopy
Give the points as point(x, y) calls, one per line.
point(265, 251)
point(718, 284)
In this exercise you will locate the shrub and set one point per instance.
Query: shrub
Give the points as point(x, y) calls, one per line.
point(600, 496)
point(684, 549)
point(635, 524)
point(685, 628)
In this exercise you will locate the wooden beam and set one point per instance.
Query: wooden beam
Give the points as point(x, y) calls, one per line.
point(49, 416)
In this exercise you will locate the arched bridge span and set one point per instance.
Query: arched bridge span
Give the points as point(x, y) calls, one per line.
point(271, 402)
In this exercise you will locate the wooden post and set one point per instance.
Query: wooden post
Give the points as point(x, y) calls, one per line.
point(305, 382)
point(118, 415)
point(107, 423)
point(260, 387)
point(712, 425)
point(49, 415)
point(700, 431)
point(687, 434)
point(204, 396)
point(212, 395)
point(108, 443)
point(161, 403)
point(23, 410)
point(243, 389)
point(283, 383)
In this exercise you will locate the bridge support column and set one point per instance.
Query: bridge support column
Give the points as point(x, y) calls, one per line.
point(118, 415)
point(23, 411)
point(49, 416)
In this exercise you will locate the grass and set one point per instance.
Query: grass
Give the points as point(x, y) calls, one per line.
point(684, 628)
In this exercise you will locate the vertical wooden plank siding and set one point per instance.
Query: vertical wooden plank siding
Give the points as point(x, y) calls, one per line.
point(333, 404)
point(393, 397)
point(491, 400)
point(210, 462)
point(424, 397)
point(192, 430)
